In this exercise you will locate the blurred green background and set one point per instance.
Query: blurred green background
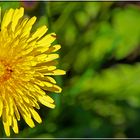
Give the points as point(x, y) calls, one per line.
point(101, 54)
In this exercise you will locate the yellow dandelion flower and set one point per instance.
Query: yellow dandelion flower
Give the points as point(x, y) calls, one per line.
point(27, 61)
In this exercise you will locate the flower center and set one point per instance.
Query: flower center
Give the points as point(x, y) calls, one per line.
point(5, 71)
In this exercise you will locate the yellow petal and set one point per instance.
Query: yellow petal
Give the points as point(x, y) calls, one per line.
point(53, 48)
point(43, 48)
point(7, 18)
point(1, 106)
point(35, 115)
point(29, 121)
point(47, 84)
point(48, 39)
point(42, 83)
point(14, 125)
point(54, 88)
point(6, 128)
point(56, 72)
point(11, 106)
point(16, 16)
point(56, 48)
point(59, 72)
point(45, 68)
point(26, 99)
point(34, 104)
point(27, 28)
point(52, 57)
point(37, 88)
point(46, 101)
point(24, 110)
point(19, 27)
point(16, 112)
point(41, 57)
point(50, 79)
point(39, 33)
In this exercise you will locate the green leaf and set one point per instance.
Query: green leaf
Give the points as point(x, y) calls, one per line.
point(126, 25)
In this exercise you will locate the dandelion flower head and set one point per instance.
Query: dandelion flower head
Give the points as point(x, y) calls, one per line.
point(27, 62)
